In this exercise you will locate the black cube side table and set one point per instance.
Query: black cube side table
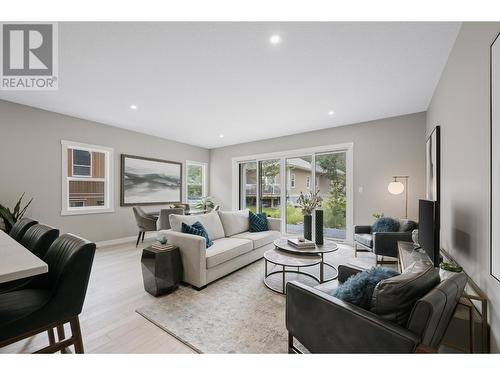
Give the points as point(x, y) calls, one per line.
point(161, 270)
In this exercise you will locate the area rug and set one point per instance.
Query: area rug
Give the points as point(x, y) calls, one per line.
point(236, 314)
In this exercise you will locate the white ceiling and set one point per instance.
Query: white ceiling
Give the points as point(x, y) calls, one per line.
point(195, 81)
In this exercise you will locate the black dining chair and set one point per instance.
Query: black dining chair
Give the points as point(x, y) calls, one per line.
point(50, 300)
point(37, 239)
point(20, 227)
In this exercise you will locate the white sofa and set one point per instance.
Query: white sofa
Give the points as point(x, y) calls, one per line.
point(234, 245)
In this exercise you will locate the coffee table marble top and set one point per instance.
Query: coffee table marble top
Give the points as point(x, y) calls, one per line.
point(328, 247)
point(282, 258)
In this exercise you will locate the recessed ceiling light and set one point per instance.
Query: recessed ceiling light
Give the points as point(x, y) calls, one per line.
point(133, 106)
point(275, 39)
point(221, 135)
point(331, 113)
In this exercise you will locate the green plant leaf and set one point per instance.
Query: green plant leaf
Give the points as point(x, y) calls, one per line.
point(6, 215)
point(17, 206)
point(21, 213)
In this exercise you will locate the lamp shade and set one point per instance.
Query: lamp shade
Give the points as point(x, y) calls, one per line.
point(396, 187)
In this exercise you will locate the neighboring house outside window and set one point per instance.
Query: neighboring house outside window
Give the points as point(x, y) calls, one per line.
point(86, 185)
point(292, 180)
point(308, 182)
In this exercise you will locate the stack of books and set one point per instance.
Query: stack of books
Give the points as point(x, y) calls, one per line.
point(306, 244)
point(159, 246)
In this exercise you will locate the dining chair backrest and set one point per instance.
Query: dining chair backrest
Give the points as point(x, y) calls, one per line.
point(20, 227)
point(38, 239)
point(164, 221)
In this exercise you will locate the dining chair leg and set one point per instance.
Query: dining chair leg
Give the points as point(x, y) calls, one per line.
point(62, 335)
point(143, 233)
point(77, 334)
point(52, 339)
point(138, 239)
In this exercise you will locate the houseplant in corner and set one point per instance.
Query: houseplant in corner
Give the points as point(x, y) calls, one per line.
point(308, 203)
point(11, 217)
point(205, 204)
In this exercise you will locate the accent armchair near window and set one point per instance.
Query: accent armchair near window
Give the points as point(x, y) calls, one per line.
point(341, 327)
point(382, 243)
point(145, 223)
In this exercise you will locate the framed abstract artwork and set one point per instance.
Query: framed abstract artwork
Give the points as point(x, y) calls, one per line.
point(495, 159)
point(432, 164)
point(150, 181)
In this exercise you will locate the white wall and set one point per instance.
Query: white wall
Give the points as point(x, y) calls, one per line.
point(461, 107)
point(382, 148)
point(30, 161)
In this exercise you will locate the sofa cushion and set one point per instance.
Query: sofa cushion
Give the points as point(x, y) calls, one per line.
point(234, 222)
point(258, 222)
point(330, 287)
point(225, 249)
point(198, 230)
point(210, 221)
point(394, 298)
point(364, 239)
point(358, 289)
point(385, 224)
point(406, 225)
point(259, 238)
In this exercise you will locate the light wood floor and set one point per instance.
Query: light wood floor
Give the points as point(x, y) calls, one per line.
point(109, 322)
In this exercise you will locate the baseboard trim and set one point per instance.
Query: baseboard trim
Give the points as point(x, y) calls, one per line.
point(119, 241)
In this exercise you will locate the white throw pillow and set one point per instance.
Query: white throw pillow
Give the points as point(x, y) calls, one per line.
point(234, 222)
point(210, 221)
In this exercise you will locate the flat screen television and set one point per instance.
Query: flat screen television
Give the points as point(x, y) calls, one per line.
point(428, 228)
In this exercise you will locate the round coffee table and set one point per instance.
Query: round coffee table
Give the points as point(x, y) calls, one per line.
point(283, 259)
point(319, 250)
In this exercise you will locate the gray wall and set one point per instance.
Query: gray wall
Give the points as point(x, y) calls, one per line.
point(461, 107)
point(30, 161)
point(382, 148)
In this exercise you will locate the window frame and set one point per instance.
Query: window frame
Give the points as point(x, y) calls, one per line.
point(81, 165)
point(108, 179)
point(204, 178)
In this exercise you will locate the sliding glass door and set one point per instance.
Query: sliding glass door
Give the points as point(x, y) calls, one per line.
point(298, 180)
point(331, 183)
point(270, 187)
point(273, 186)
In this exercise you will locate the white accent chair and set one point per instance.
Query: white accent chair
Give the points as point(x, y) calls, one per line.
point(234, 245)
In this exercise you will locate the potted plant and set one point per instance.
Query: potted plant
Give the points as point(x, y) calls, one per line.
point(11, 217)
point(205, 204)
point(308, 203)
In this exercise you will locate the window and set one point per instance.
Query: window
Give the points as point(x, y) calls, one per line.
point(270, 187)
point(196, 181)
point(86, 183)
point(308, 182)
point(292, 180)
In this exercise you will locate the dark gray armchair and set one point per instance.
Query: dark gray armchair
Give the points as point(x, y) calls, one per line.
point(382, 243)
point(145, 223)
point(325, 324)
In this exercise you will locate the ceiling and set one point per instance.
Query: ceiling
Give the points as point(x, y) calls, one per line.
point(192, 82)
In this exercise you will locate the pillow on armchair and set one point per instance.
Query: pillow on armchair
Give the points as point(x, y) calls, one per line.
point(385, 224)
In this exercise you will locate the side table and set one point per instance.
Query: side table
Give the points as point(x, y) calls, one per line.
point(161, 270)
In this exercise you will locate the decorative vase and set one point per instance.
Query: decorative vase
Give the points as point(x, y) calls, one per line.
point(308, 227)
point(319, 227)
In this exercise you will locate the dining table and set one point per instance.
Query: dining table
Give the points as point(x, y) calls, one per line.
point(16, 261)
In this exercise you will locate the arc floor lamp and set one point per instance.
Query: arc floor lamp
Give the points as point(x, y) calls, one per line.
point(396, 187)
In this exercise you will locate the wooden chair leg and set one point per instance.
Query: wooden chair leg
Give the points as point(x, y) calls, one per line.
point(138, 239)
point(62, 335)
point(52, 339)
point(77, 334)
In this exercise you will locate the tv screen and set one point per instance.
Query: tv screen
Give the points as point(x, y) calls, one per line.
point(428, 229)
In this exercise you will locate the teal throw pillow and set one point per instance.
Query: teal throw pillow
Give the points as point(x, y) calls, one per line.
point(258, 222)
point(385, 224)
point(358, 289)
point(198, 230)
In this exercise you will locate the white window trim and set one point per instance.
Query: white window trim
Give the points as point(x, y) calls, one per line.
point(108, 179)
point(348, 148)
point(80, 165)
point(204, 185)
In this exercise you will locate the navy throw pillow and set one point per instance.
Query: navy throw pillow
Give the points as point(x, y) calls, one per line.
point(258, 222)
point(385, 224)
point(198, 230)
point(358, 289)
